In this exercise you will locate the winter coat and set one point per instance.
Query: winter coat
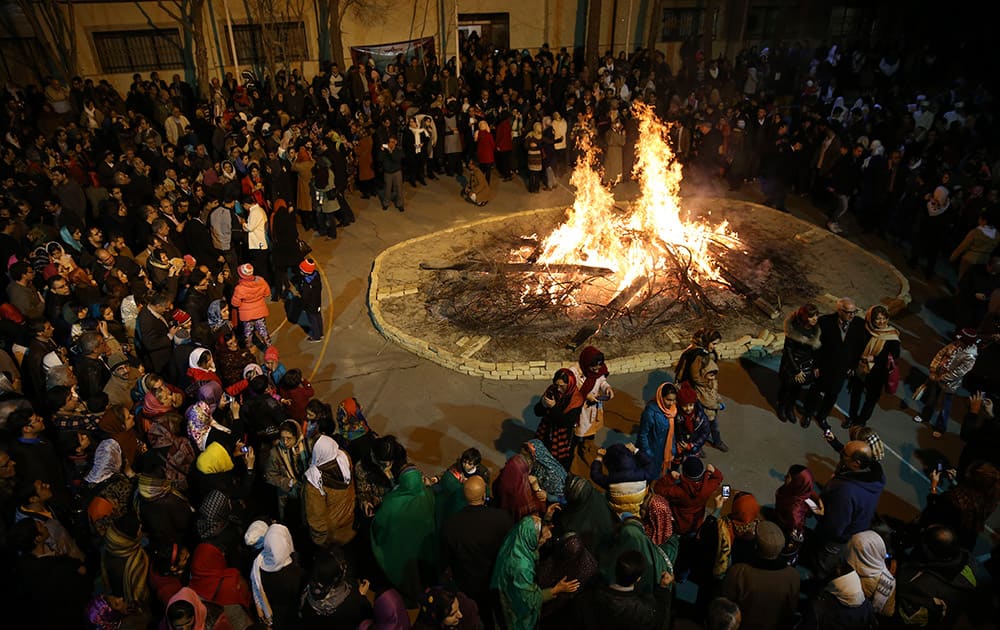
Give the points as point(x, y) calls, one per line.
point(799, 352)
point(249, 298)
point(850, 499)
point(952, 363)
point(687, 498)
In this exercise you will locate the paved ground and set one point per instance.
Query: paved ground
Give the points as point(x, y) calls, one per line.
point(437, 413)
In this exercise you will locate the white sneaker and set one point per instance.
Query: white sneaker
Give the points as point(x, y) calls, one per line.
point(834, 227)
point(918, 419)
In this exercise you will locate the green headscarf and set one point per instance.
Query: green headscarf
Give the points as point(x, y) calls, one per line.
point(403, 535)
point(632, 535)
point(514, 576)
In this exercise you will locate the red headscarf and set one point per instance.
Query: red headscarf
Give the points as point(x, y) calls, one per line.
point(200, 610)
point(513, 490)
point(216, 581)
point(588, 357)
point(790, 499)
point(571, 398)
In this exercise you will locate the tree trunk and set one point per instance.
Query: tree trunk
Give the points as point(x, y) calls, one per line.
point(201, 47)
point(593, 36)
point(336, 37)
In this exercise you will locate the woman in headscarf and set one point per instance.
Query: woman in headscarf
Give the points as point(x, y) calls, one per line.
point(118, 424)
point(375, 475)
point(277, 580)
point(656, 427)
point(730, 539)
point(791, 507)
point(214, 580)
point(353, 426)
point(632, 535)
point(559, 412)
point(865, 553)
point(403, 536)
point(586, 513)
point(286, 465)
point(592, 379)
point(218, 317)
point(550, 474)
point(124, 563)
point(521, 598)
point(389, 613)
point(303, 167)
point(797, 359)
point(329, 494)
point(516, 489)
point(444, 609)
point(569, 557)
point(187, 611)
point(169, 443)
point(109, 488)
point(202, 427)
point(881, 353)
point(231, 359)
point(164, 508)
point(331, 598)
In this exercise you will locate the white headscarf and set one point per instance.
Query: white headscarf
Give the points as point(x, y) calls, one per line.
point(324, 451)
point(107, 461)
point(276, 555)
point(866, 554)
point(195, 356)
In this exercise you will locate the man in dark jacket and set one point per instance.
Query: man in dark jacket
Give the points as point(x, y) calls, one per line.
point(842, 339)
point(154, 335)
point(620, 607)
point(849, 502)
point(92, 372)
point(470, 542)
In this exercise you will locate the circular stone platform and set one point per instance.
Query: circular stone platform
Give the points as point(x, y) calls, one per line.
point(787, 262)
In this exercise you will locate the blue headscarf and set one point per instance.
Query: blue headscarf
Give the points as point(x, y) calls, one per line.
point(549, 472)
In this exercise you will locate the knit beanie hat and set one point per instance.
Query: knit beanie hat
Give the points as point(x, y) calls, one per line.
point(245, 270)
point(180, 317)
point(307, 266)
point(271, 354)
point(693, 468)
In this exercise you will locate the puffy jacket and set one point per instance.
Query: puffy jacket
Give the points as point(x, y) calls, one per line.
point(249, 298)
point(687, 498)
point(952, 363)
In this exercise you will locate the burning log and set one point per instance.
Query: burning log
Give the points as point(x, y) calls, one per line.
point(525, 267)
point(607, 312)
point(749, 294)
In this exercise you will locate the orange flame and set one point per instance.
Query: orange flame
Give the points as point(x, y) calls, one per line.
point(650, 232)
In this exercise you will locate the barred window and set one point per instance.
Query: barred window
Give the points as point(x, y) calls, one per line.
point(287, 40)
point(680, 24)
point(139, 51)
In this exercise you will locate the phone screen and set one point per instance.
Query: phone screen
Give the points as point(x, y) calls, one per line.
point(725, 491)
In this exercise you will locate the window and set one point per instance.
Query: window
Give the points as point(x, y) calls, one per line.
point(680, 24)
point(849, 23)
point(492, 29)
point(139, 51)
point(287, 41)
point(765, 22)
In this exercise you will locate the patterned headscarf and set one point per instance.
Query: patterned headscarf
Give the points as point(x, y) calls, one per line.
point(351, 422)
point(107, 462)
point(213, 515)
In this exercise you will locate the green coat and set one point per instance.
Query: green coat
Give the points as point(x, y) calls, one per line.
point(632, 535)
point(404, 537)
point(514, 576)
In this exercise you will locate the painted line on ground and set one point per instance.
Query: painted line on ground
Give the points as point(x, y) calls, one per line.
point(329, 325)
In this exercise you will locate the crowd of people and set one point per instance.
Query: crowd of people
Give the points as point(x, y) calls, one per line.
point(161, 465)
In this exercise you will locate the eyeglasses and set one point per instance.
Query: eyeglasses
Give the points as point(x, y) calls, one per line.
point(848, 311)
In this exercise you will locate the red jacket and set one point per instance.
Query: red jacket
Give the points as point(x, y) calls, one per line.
point(687, 498)
point(300, 397)
point(249, 298)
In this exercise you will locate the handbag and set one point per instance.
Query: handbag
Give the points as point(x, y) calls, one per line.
point(304, 247)
point(892, 383)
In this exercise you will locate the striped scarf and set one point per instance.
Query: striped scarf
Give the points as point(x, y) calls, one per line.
point(117, 544)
